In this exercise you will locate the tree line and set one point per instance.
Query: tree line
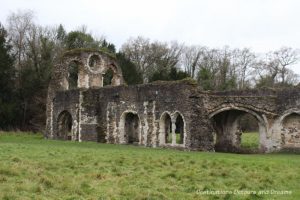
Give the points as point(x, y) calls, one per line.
point(28, 52)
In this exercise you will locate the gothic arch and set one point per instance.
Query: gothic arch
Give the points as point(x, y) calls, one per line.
point(65, 126)
point(130, 128)
point(165, 128)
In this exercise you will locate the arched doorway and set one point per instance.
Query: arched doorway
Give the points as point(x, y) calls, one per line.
point(165, 129)
point(231, 128)
point(131, 128)
point(65, 124)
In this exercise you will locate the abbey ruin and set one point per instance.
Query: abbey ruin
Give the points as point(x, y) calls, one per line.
point(162, 114)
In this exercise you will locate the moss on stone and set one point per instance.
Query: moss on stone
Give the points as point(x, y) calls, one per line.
point(88, 50)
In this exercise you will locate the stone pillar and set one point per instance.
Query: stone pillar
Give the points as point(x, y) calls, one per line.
point(173, 132)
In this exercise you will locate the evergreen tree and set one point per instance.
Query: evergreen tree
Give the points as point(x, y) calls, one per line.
point(129, 70)
point(61, 33)
point(79, 39)
point(8, 110)
point(110, 47)
point(173, 75)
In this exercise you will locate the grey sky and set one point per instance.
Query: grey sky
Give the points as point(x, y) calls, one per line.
point(262, 25)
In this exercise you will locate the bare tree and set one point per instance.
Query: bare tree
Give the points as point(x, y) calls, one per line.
point(19, 25)
point(273, 69)
point(191, 57)
point(152, 56)
point(244, 59)
point(285, 57)
point(137, 50)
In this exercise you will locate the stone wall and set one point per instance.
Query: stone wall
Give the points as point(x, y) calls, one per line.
point(165, 114)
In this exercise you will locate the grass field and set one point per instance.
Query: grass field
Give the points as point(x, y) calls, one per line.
point(250, 140)
point(34, 168)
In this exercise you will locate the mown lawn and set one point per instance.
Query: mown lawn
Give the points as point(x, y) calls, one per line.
point(34, 168)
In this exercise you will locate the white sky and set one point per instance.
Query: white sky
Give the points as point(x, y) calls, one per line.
point(262, 25)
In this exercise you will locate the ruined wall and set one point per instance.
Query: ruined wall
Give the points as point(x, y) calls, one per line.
point(99, 113)
point(165, 114)
point(290, 131)
point(104, 110)
point(92, 66)
point(66, 101)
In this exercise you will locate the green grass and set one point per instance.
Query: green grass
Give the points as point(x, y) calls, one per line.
point(250, 140)
point(34, 168)
point(178, 138)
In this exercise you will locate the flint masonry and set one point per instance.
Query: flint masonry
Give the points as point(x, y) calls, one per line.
point(89, 101)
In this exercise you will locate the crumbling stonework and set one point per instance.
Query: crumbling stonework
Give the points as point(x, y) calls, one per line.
point(163, 114)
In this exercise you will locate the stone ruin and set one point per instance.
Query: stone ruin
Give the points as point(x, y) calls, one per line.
point(88, 101)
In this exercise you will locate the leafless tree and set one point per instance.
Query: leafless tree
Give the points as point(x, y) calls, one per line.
point(152, 56)
point(273, 68)
point(284, 57)
point(191, 57)
point(19, 25)
point(244, 60)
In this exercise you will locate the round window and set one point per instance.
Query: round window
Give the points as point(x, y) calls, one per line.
point(94, 62)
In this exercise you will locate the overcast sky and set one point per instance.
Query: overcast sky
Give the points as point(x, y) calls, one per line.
point(262, 25)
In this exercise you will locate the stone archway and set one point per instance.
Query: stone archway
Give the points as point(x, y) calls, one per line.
point(179, 129)
point(228, 133)
point(172, 129)
point(130, 128)
point(165, 129)
point(65, 126)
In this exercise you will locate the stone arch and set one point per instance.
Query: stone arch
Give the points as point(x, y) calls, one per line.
point(287, 113)
point(165, 128)
point(179, 127)
point(228, 135)
point(290, 129)
point(73, 74)
point(65, 126)
point(178, 123)
point(107, 77)
point(110, 75)
point(130, 128)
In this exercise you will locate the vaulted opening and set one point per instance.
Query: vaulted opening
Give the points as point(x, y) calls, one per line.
point(132, 128)
point(237, 131)
point(65, 123)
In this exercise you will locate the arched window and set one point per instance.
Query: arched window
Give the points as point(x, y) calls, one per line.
point(107, 77)
point(179, 129)
point(165, 126)
point(73, 75)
